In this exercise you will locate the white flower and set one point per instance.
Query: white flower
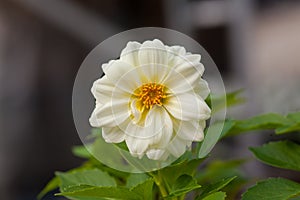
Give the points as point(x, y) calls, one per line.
point(153, 98)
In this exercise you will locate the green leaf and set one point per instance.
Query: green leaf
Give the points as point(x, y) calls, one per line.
point(144, 189)
point(215, 196)
point(294, 116)
point(81, 151)
point(99, 193)
point(171, 173)
point(135, 179)
point(52, 185)
point(92, 177)
point(55, 182)
point(294, 126)
point(265, 121)
point(288, 129)
point(260, 122)
point(219, 169)
point(183, 185)
point(283, 154)
point(215, 187)
point(228, 125)
point(220, 101)
point(272, 189)
point(212, 135)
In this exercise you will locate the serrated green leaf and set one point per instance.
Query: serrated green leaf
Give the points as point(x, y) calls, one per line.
point(135, 179)
point(92, 177)
point(55, 182)
point(273, 189)
point(98, 193)
point(144, 189)
point(51, 185)
point(215, 187)
point(215, 196)
point(183, 185)
point(283, 154)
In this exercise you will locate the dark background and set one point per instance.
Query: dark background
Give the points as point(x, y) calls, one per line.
point(255, 44)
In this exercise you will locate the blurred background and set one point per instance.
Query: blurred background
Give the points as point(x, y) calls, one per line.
point(255, 44)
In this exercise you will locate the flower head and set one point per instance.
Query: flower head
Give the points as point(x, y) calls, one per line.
point(152, 98)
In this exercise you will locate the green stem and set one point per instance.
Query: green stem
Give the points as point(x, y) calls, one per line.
point(159, 182)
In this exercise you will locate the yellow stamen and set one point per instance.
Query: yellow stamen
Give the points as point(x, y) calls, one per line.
point(151, 94)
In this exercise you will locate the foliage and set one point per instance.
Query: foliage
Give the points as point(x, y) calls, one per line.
point(216, 180)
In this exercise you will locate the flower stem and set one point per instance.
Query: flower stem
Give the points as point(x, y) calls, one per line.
point(159, 182)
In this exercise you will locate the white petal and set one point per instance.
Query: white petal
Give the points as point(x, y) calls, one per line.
point(137, 114)
point(177, 83)
point(130, 53)
point(177, 147)
point(177, 50)
point(187, 106)
point(154, 73)
point(93, 119)
point(104, 90)
point(105, 66)
point(173, 53)
point(152, 53)
point(113, 135)
point(123, 75)
point(185, 75)
point(189, 130)
point(159, 126)
point(135, 140)
point(202, 89)
point(157, 154)
point(112, 113)
point(156, 133)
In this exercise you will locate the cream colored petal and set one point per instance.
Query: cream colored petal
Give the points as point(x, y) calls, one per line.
point(112, 113)
point(173, 53)
point(113, 135)
point(177, 83)
point(105, 66)
point(202, 89)
point(183, 62)
point(123, 75)
point(104, 90)
point(188, 130)
point(152, 53)
point(185, 74)
point(178, 146)
point(136, 113)
point(130, 53)
point(136, 139)
point(157, 154)
point(187, 106)
point(159, 127)
point(177, 50)
point(93, 118)
point(154, 73)
point(189, 68)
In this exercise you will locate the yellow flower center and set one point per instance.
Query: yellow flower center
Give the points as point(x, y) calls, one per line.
point(151, 94)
